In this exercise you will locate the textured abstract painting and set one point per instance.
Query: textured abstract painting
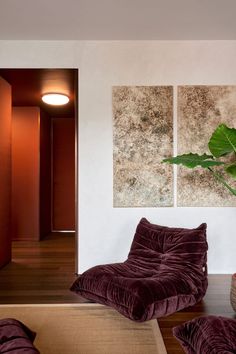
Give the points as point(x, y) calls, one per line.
point(142, 137)
point(200, 110)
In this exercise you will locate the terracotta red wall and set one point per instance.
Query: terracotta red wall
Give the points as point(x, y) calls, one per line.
point(45, 174)
point(63, 203)
point(5, 172)
point(25, 173)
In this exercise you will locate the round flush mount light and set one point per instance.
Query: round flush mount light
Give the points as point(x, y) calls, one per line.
point(55, 99)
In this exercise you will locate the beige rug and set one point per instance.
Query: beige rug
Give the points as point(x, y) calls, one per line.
point(86, 329)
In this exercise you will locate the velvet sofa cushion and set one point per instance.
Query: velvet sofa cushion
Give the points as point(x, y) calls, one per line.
point(208, 335)
point(165, 272)
point(16, 338)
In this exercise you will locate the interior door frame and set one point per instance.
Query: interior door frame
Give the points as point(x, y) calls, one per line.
point(76, 106)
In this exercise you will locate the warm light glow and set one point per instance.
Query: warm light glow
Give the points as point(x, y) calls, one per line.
point(55, 99)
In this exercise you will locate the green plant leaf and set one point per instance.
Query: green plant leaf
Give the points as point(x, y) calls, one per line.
point(223, 141)
point(221, 179)
point(231, 170)
point(193, 160)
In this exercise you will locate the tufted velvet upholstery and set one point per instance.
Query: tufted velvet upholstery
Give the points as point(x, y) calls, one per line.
point(208, 335)
point(165, 272)
point(16, 338)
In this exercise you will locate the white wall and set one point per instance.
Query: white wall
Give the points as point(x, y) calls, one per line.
point(105, 233)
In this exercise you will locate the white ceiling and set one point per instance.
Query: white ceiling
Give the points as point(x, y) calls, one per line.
point(118, 19)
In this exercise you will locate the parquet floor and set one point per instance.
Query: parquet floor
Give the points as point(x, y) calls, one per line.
point(42, 272)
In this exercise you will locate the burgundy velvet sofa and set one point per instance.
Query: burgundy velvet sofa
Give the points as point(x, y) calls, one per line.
point(207, 335)
point(16, 338)
point(165, 272)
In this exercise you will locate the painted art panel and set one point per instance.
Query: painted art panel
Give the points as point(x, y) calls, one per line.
point(200, 110)
point(142, 137)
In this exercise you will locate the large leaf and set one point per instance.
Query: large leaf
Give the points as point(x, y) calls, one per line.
point(193, 160)
point(223, 141)
point(231, 170)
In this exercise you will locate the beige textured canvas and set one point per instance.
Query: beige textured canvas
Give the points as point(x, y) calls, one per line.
point(142, 137)
point(86, 329)
point(200, 110)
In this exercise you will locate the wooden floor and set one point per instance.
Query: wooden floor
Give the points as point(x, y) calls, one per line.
point(42, 272)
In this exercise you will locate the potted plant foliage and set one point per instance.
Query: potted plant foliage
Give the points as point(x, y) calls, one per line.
point(222, 145)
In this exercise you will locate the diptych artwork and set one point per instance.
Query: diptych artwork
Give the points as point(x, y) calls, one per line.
point(142, 137)
point(200, 110)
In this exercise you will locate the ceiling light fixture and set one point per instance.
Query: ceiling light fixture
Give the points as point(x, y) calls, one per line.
point(55, 99)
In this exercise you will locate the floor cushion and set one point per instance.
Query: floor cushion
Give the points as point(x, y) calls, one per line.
point(16, 338)
point(208, 335)
point(165, 272)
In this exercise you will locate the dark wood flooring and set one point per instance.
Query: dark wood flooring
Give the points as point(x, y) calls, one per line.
point(42, 272)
